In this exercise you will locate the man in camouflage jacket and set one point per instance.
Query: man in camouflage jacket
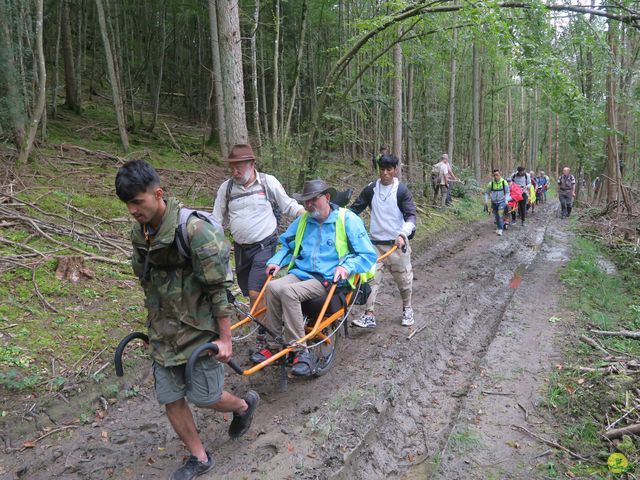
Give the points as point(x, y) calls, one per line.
point(187, 307)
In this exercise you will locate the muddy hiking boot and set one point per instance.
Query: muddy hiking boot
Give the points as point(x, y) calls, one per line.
point(193, 468)
point(242, 422)
point(304, 364)
point(366, 320)
point(407, 317)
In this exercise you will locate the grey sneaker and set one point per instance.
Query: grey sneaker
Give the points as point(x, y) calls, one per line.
point(499, 232)
point(366, 320)
point(193, 468)
point(407, 317)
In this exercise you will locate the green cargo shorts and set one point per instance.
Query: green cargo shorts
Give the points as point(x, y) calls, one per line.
point(206, 383)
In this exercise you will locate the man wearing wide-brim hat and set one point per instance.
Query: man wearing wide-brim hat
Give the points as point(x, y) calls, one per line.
point(247, 203)
point(309, 250)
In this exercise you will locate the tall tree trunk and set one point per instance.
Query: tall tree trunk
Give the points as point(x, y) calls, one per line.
point(263, 90)
point(81, 49)
point(115, 83)
point(612, 167)
point(509, 127)
point(298, 68)
point(32, 127)
point(254, 74)
point(219, 131)
point(276, 74)
point(231, 68)
point(549, 141)
point(56, 76)
point(475, 107)
point(557, 147)
point(452, 97)
point(397, 103)
point(411, 161)
point(156, 77)
point(71, 90)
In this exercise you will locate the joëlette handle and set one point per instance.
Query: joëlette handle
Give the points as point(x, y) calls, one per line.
point(121, 346)
point(194, 357)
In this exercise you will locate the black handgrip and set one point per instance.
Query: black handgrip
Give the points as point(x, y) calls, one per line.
point(188, 371)
point(121, 346)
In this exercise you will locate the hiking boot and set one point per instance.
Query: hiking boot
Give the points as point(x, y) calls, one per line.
point(241, 422)
point(261, 355)
point(193, 468)
point(366, 320)
point(304, 364)
point(407, 317)
point(499, 232)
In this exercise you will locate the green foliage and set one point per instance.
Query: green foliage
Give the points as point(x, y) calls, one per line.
point(462, 441)
point(582, 401)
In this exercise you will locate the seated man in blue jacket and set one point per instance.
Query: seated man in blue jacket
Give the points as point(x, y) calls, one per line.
point(310, 248)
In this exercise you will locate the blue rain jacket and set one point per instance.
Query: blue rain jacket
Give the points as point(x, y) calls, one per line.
point(318, 255)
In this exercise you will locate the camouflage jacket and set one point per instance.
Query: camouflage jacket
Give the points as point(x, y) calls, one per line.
point(183, 296)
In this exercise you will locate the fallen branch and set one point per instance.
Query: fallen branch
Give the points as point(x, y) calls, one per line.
point(618, 432)
point(551, 443)
point(55, 430)
point(43, 300)
point(610, 426)
point(96, 153)
point(173, 140)
point(526, 414)
point(594, 344)
point(621, 333)
point(417, 331)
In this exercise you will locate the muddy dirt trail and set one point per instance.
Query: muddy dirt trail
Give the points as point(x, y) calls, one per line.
point(389, 406)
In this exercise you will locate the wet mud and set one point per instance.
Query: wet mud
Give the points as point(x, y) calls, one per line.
point(390, 405)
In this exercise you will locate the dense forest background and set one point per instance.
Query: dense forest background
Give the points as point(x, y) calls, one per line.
point(309, 83)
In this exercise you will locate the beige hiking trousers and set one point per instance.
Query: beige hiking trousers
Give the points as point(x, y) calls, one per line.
point(284, 298)
point(399, 264)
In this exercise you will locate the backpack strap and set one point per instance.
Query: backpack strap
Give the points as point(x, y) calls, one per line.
point(182, 236)
point(225, 214)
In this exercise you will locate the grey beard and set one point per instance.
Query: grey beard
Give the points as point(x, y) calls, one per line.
point(315, 214)
point(243, 180)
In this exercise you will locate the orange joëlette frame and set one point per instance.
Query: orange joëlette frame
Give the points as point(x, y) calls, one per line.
point(315, 331)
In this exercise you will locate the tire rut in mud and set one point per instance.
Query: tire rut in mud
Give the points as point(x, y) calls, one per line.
point(415, 428)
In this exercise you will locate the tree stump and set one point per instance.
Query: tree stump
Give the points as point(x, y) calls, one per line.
point(73, 269)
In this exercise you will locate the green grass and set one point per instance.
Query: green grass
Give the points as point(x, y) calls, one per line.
point(582, 402)
point(462, 441)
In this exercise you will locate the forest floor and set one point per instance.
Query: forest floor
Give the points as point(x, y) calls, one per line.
point(444, 404)
point(479, 388)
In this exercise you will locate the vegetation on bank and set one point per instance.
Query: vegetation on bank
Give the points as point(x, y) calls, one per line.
point(594, 391)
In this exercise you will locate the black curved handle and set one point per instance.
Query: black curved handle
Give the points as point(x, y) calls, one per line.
point(121, 346)
point(188, 371)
